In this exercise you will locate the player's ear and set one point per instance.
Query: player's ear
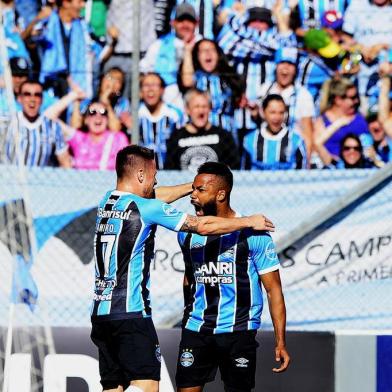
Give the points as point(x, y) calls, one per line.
point(221, 195)
point(140, 175)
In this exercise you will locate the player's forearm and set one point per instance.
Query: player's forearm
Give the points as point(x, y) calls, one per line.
point(211, 225)
point(168, 194)
point(278, 315)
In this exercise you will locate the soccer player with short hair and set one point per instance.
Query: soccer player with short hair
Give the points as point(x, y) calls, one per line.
point(127, 217)
point(223, 295)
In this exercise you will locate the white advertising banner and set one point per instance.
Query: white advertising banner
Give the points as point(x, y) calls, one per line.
point(338, 276)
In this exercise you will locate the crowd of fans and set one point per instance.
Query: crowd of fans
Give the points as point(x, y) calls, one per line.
point(258, 85)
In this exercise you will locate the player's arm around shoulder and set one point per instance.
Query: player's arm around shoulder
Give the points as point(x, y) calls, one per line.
point(157, 212)
point(168, 194)
point(213, 225)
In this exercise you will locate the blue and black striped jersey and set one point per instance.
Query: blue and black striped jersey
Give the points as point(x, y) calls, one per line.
point(221, 95)
point(39, 142)
point(123, 250)
point(283, 151)
point(312, 72)
point(156, 130)
point(223, 272)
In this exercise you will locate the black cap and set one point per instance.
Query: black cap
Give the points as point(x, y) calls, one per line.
point(261, 14)
point(185, 11)
point(19, 66)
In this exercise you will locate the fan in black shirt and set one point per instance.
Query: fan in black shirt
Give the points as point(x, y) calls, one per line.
point(199, 141)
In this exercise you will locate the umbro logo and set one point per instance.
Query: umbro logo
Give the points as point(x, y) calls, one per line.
point(228, 253)
point(197, 245)
point(242, 362)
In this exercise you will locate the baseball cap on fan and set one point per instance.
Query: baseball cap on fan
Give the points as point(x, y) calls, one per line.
point(19, 66)
point(185, 11)
point(261, 14)
point(319, 40)
point(332, 20)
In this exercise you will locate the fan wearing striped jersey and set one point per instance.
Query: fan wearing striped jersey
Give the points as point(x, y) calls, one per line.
point(274, 146)
point(127, 217)
point(157, 119)
point(223, 296)
point(37, 140)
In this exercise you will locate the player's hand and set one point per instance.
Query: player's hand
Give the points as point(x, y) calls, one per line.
point(282, 356)
point(261, 222)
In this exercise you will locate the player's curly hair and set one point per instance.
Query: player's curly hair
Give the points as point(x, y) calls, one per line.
point(218, 169)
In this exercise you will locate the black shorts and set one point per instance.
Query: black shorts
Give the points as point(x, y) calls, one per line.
point(128, 350)
point(200, 356)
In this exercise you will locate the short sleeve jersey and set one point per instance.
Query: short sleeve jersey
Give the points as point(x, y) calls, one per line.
point(123, 250)
point(223, 272)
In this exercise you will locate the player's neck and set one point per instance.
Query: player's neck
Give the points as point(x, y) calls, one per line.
point(129, 187)
point(225, 212)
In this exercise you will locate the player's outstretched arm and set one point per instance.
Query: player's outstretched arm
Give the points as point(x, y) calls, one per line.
point(168, 194)
point(273, 288)
point(209, 225)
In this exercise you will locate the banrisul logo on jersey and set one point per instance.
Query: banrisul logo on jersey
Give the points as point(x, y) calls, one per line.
point(213, 273)
point(114, 214)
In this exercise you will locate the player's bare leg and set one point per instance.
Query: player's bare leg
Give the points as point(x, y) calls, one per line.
point(191, 389)
point(144, 386)
point(118, 389)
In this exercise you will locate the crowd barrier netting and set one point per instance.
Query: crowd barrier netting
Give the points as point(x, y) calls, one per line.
point(338, 278)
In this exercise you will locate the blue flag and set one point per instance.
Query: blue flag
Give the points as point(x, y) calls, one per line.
point(24, 290)
point(18, 240)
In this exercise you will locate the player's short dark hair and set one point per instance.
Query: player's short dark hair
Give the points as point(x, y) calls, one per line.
point(218, 169)
point(130, 156)
point(272, 97)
